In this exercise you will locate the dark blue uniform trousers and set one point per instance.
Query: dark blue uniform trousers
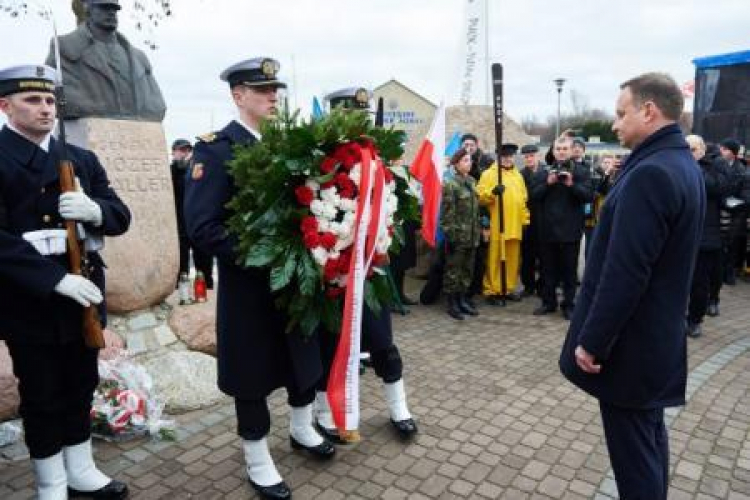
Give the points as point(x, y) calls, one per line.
point(56, 384)
point(639, 451)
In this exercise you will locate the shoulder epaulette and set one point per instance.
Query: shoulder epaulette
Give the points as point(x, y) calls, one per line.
point(208, 138)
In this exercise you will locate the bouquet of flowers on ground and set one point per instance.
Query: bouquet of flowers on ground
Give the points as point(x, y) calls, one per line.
point(124, 405)
point(296, 207)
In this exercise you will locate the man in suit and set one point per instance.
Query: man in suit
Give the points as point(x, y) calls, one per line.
point(105, 76)
point(41, 302)
point(626, 343)
point(255, 354)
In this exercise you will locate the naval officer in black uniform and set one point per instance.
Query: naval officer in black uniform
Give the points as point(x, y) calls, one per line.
point(377, 332)
point(254, 353)
point(41, 303)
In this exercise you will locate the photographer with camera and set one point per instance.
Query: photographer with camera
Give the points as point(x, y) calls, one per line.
point(561, 191)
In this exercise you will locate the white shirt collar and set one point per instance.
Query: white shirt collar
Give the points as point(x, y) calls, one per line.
point(44, 144)
point(250, 129)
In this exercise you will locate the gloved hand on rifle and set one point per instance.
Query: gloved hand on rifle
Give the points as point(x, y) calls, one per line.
point(498, 190)
point(79, 289)
point(75, 205)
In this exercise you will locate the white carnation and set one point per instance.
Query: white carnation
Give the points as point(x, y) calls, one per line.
point(320, 255)
point(316, 207)
point(329, 195)
point(324, 225)
point(347, 205)
point(329, 210)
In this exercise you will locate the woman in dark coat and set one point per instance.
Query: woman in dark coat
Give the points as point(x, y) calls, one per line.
point(708, 262)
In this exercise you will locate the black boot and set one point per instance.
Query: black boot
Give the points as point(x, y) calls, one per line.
point(465, 306)
point(454, 309)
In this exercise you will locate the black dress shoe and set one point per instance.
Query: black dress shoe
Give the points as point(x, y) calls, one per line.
point(115, 490)
point(694, 330)
point(542, 310)
point(567, 313)
point(323, 451)
point(513, 297)
point(405, 428)
point(276, 491)
point(331, 435)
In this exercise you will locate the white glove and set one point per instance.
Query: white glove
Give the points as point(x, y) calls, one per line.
point(75, 205)
point(79, 289)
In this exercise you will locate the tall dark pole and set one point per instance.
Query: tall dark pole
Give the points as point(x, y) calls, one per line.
point(497, 93)
point(559, 82)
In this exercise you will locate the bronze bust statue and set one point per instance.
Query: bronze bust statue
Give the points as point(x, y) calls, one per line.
point(104, 75)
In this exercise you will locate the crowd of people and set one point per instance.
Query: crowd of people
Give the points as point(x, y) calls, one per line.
point(531, 245)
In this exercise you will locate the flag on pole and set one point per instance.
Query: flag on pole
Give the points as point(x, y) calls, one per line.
point(427, 168)
point(454, 144)
point(317, 110)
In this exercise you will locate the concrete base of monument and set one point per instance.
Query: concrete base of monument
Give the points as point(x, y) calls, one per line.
point(142, 264)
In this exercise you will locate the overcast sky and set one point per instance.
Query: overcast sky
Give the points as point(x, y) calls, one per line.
point(324, 45)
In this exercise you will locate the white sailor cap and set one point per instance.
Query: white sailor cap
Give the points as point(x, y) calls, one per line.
point(350, 98)
point(261, 71)
point(27, 78)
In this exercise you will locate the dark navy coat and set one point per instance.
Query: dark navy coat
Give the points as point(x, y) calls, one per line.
point(30, 310)
point(630, 313)
point(255, 355)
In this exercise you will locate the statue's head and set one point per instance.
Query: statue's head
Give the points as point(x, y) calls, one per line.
point(102, 14)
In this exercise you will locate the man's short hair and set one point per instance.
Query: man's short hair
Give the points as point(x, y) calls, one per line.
point(563, 140)
point(659, 88)
point(732, 145)
point(469, 137)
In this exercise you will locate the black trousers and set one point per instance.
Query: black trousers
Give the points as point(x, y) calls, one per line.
point(559, 265)
point(377, 339)
point(480, 262)
point(254, 418)
point(203, 261)
point(588, 234)
point(707, 271)
point(56, 384)
point(530, 264)
point(639, 451)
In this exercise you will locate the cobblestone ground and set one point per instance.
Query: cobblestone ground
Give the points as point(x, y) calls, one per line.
point(496, 421)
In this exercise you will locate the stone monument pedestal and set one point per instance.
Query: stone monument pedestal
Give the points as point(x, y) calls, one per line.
point(142, 264)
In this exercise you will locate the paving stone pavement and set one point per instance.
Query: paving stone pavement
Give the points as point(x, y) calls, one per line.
point(496, 421)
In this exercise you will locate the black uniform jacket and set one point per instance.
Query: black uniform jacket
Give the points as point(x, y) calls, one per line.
point(31, 311)
point(255, 355)
point(630, 312)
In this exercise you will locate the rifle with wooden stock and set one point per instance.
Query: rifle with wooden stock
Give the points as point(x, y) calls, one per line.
point(93, 334)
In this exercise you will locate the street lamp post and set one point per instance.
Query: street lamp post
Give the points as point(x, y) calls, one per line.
point(559, 82)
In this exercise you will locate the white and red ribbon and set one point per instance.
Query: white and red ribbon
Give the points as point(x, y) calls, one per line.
point(370, 220)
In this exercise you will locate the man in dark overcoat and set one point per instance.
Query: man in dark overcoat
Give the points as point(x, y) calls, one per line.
point(626, 343)
point(255, 355)
point(41, 302)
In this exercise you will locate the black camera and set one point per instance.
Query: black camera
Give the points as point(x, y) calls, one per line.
point(562, 169)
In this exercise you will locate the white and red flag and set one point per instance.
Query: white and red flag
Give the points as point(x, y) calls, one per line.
point(428, 168)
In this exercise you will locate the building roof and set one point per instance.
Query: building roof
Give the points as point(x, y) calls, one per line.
point(722, 60)
point(396, 82)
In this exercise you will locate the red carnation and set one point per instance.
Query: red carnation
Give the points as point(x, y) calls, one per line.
point(379, 259)
point(311, 240)
point(344, 260)
point(349, 154)
point(304, 195)
point(334, 292)
point(328, 165)
point(349, 192)
point(342, 180)
point(327, 184)
point(331, 269)
point(309, 224)
point(328, 240)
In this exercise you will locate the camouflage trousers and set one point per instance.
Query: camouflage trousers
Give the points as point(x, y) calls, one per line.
point(459, 268)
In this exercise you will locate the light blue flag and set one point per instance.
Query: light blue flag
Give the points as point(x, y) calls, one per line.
point(317, 110)
point(454, 144)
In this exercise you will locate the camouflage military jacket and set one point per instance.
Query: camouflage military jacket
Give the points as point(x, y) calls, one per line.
point(460, 211)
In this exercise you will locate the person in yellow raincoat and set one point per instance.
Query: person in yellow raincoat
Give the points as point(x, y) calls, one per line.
point(516, 215)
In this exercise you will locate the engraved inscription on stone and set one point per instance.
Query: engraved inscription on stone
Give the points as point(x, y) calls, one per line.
point(143, 263)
